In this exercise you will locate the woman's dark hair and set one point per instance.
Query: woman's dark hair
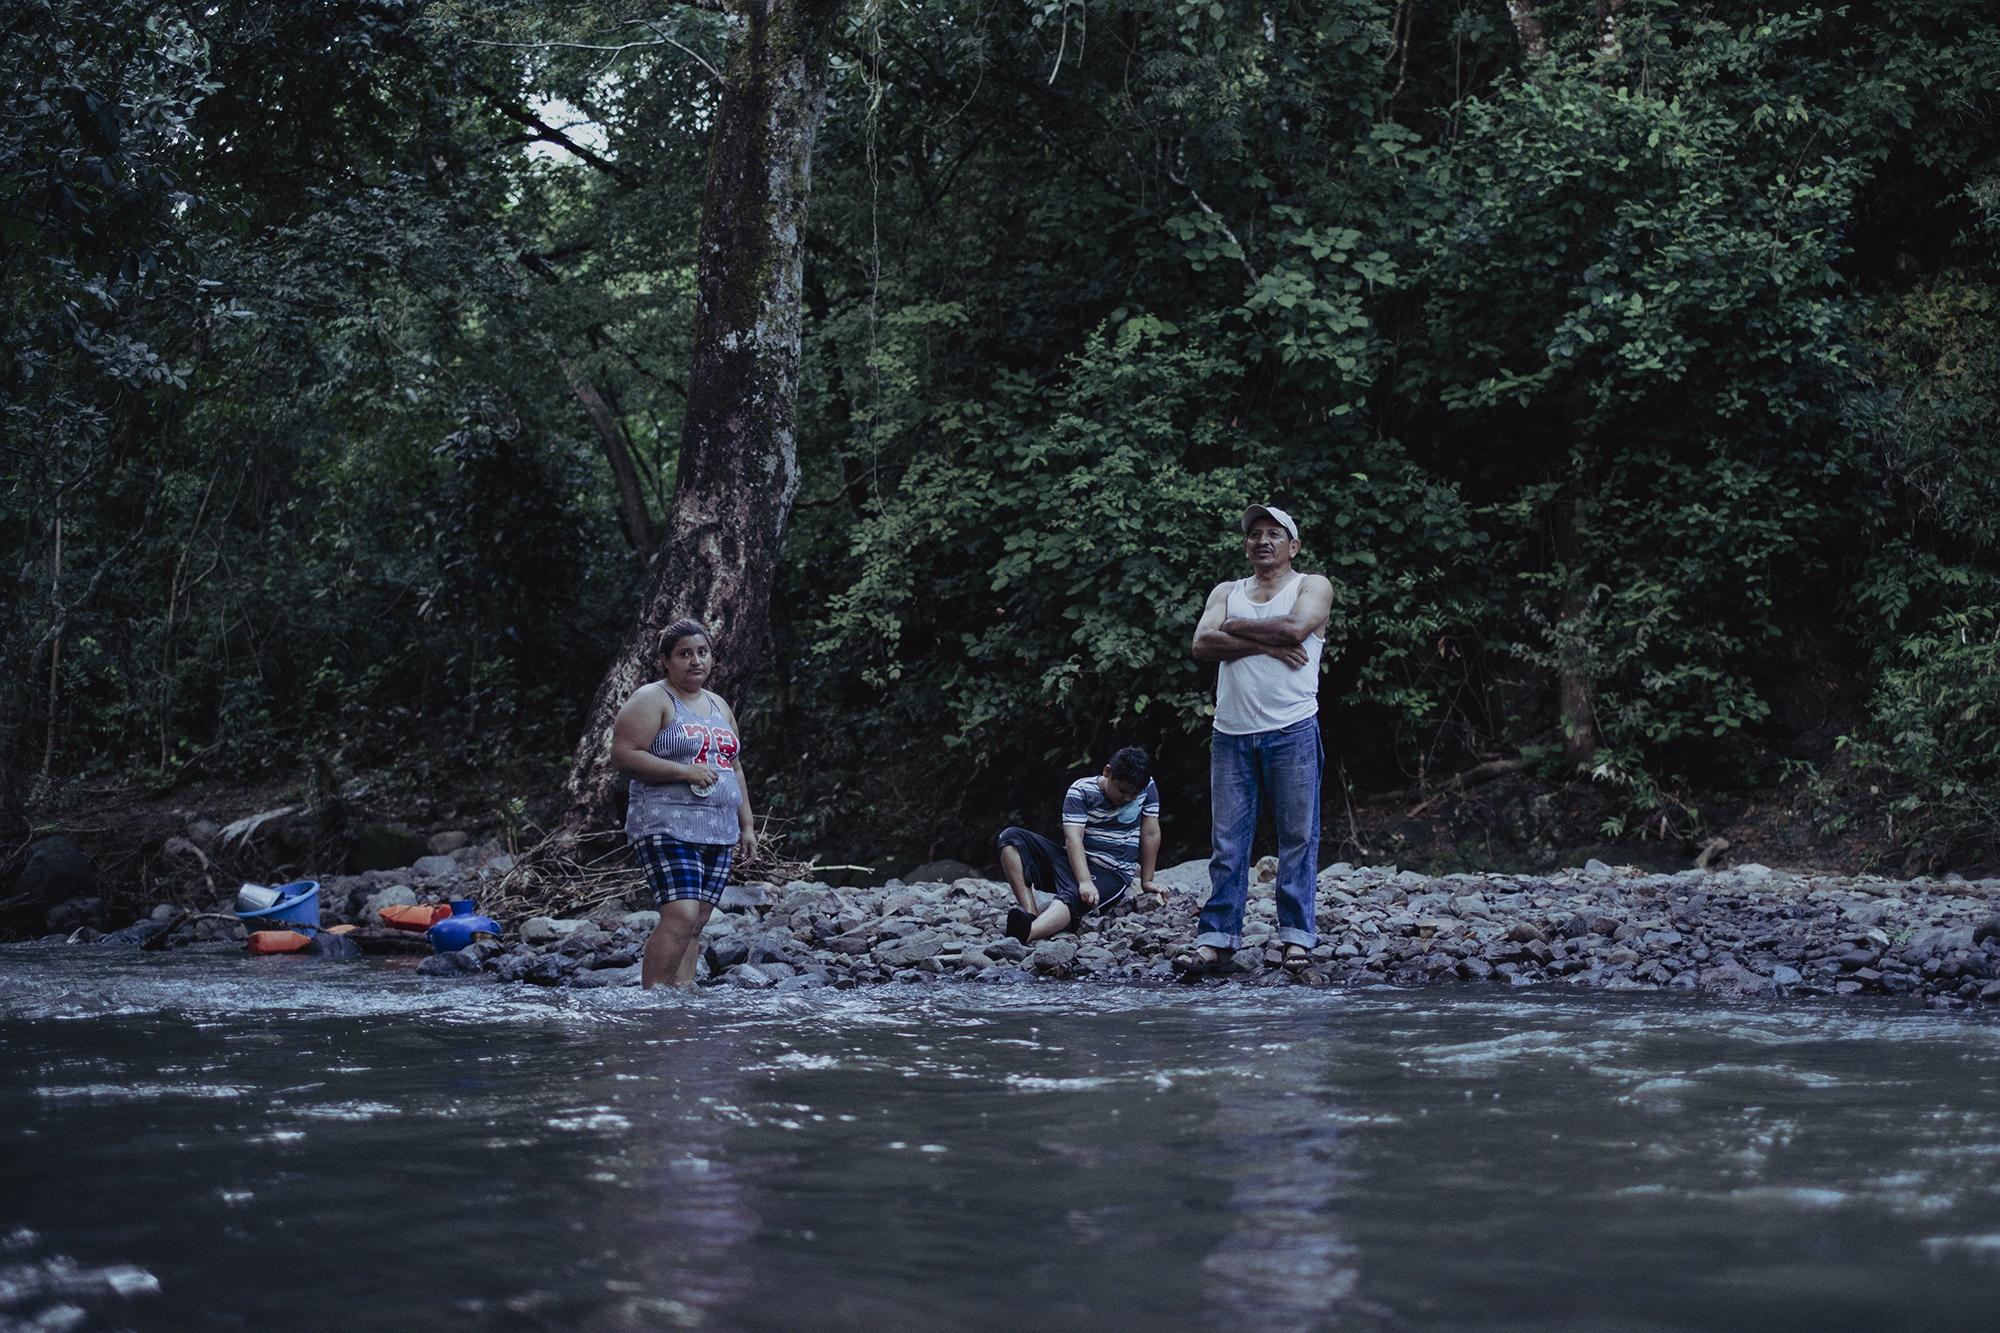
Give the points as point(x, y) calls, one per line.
point(684, 628)
point(1131, 766)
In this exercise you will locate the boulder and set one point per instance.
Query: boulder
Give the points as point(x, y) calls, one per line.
point(940, 872)
point(549, 929)
point(549, 969)
point(639, 920)
point(65, 917)
point(1053, 957)
point(384, 847)
point(744, 897)
point(1733, 979)
point(585, 941)
point(904, 952)
point(772, 946)
point(380, 939)
point(447, 842)
point(396, 895)
point(459, 963)
point(606, 977)
point(326, 944)
point(1189, 876)
point(55, 870)
point(727, 951)
point(434, 867)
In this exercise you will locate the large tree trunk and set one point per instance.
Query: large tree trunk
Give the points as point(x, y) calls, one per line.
point(738, 469)
point(1528, 26)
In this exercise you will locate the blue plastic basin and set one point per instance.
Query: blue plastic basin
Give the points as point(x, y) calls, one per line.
point(297, 905)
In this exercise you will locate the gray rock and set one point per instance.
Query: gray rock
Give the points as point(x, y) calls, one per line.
point(772, 946)
point(1731, 978)
point(396, 895)
point(548, 929)
point(1054, 956)
point(753, 976)
point(549, 969)
point(904, 952)
point(203, 832)
point(604, 978)
point(1188, 875)
point(326, 944)
point(1596, 869)
point(1009, 951)
point(512, 967)
point(587, 940)
point(727, 951)
point(940, 872)
point(639, 921)
point(77, 912)
point(434, 867)
point(744, 897)
point(462, 963)
point(448, 841)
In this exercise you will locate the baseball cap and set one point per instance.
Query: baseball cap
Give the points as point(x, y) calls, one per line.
point(1276, 515)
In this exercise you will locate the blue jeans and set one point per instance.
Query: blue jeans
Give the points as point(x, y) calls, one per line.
point(1283, 766)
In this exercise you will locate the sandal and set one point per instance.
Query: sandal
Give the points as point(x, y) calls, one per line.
point(1297, 958)
point(1192, 964)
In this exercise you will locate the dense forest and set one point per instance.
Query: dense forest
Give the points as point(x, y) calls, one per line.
point(1632, 367)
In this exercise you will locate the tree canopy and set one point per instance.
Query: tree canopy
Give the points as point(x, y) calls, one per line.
point(1630, 367)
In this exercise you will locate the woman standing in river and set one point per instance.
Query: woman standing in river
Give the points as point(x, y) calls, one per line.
point(689, 812)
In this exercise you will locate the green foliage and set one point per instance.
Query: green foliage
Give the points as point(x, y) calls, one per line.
point(1666, 366)
point(1937, 732)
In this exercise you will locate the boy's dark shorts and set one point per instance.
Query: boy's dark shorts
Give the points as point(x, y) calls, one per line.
point(1046, 867)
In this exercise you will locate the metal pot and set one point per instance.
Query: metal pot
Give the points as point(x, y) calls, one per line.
point(255, 898)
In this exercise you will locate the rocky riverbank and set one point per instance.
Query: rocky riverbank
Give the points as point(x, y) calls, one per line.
point(1748, 930)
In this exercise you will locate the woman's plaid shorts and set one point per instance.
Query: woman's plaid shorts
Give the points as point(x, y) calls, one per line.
point(676, 870)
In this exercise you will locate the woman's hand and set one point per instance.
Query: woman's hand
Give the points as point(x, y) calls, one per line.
point(746, 844)
point(701, 777)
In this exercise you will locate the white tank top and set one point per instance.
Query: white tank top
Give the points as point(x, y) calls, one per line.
point(1260, 693)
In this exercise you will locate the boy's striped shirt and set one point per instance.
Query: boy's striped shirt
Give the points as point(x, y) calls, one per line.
point(1110, 833)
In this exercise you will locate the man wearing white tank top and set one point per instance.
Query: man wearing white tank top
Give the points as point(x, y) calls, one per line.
point(1267, 631)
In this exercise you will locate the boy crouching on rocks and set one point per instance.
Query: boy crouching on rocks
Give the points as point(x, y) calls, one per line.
point(1111, 836)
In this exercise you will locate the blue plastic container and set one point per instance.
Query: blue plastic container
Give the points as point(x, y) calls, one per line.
point(456, 931)
point(297, 905)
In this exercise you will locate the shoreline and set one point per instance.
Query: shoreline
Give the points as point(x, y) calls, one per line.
point(1744, 931)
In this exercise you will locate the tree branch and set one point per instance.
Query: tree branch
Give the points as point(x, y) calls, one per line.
point(1202, 204)
point(521, 115)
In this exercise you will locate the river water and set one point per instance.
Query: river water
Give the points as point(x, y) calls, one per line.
point(213, 1142)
